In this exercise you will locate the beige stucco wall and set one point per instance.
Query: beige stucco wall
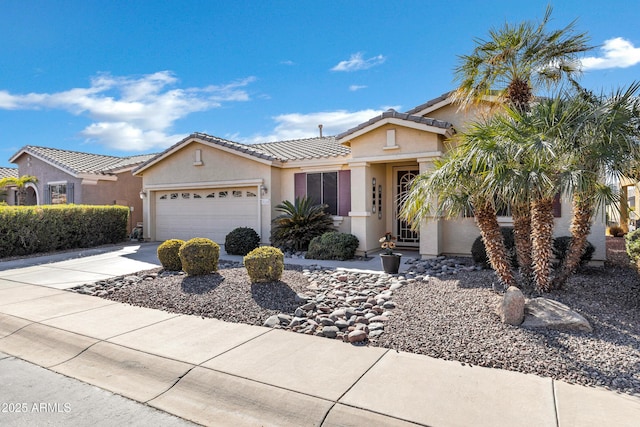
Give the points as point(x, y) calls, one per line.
point(218, 167)
point(408, 141)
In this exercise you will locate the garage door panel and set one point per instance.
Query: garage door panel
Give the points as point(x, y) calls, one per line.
point(180, 215)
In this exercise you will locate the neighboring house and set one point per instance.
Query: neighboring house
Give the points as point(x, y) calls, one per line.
point(81, 178)
point(8, 195)
point(204, 186)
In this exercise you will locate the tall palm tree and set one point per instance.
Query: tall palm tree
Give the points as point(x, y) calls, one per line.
point(511, 65)
point(604, 142)
point(21, 185)
point(517, 59)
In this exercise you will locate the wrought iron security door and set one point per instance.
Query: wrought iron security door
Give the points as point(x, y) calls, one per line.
point(406, 236)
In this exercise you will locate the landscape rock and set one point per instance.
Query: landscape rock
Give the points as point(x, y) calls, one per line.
point(547, 313)
point(357, 336)
point(511, 307)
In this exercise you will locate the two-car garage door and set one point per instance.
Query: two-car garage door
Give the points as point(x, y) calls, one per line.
point(212, 213)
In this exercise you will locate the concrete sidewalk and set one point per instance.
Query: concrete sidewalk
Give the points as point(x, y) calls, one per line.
point(217, 373)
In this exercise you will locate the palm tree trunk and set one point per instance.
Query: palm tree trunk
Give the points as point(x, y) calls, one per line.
point(580, 229)
point(542, 240)
point(521, 214)
point(487, 221)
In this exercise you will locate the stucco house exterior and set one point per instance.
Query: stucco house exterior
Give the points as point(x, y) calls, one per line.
point(205, 186)
point(82, 178)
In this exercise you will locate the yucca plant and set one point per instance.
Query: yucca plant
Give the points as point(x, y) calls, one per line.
point(299, 223)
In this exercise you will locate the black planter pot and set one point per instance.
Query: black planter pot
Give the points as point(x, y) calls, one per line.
point(391, 263)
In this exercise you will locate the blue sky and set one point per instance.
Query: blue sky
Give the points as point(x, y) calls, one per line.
point(128, 77)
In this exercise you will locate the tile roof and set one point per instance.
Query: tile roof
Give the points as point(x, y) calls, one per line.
point(76, 162)
point(393, 114)
point(8, 172)
point(430, 103)
point(295, 149)
point(304, 149)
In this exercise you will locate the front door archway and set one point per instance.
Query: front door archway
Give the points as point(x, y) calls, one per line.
point(402, 181)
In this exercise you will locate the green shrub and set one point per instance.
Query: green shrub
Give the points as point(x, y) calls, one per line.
point(479, 251)
point(632, 242)
point(333, 245)
point(169, 256)
point(199, 256)
point(298, 224)
point(241, 241)
point(561, 247)
point(264, 264)
point(34, 229)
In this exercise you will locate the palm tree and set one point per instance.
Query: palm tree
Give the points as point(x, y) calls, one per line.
point(516, 59)
point(510, 65)
point(21, 184)
point(605, 141)
point(452, 189)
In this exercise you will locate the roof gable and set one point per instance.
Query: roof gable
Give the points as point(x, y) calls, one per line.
point(402, 119)
point(269, 152)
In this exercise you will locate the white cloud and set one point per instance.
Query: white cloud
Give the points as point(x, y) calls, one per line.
point(616, 53)
point(297, 125)
point(132, 113)
point(354, 88)
point(357, 62)
point(287, 62)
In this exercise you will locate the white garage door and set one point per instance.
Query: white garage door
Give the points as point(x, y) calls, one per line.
point(184, 214)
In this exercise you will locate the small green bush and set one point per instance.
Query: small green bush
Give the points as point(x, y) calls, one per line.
point(199, 256)
point(632, 242)
point(479, 251)
point(168, 254)
point(561, 247)
point(264, 264)
point(241, 241)
point(333, 245)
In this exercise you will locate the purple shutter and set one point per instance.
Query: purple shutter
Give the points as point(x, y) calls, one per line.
point(300, 185)
point(557, 206)
point(344, 192)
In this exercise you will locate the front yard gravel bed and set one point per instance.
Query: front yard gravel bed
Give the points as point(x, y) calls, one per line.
point(449, 317)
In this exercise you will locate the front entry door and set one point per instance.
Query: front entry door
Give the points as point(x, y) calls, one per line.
point(406, 236)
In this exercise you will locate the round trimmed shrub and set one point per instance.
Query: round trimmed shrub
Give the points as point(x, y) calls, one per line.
point(333, 245)
point(241, 241)
point(264, 264)
point(199, 256)
point(479, 251)
point(561, 247)
point(168, 254)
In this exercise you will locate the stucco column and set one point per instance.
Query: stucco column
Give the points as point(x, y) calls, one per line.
point(359, 207)
point(624, 209)
point(431, 229)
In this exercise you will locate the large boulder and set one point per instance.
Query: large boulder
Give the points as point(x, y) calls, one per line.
point(511, 307)
point(547, 313)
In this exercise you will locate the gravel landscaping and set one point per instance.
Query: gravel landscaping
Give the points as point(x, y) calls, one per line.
point(449, 317)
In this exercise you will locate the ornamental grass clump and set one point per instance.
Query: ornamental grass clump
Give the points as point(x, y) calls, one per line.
point(199, 256)
point(168, 254)
point(264, 264)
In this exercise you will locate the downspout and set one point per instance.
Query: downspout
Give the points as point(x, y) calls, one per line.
point(260, 211)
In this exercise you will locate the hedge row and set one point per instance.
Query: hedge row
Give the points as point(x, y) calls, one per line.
point(26, 230)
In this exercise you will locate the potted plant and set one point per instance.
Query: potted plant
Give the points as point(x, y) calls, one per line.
point(390, 260)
